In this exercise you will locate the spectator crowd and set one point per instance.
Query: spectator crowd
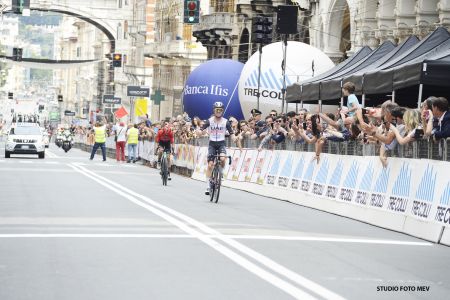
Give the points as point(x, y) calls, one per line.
point(385, 126)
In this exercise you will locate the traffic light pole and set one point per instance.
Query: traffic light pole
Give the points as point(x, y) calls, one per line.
point(259, 75)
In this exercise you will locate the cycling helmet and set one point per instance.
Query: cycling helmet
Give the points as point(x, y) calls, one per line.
point(218, 105)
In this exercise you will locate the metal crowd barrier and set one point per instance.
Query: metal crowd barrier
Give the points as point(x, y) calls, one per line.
point(425, 148)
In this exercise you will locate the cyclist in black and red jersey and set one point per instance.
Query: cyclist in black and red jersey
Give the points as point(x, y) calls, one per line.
point(165, 140)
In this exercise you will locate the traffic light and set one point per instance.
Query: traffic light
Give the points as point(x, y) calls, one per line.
point(60, 98)
point(10, 96)
point(262, 29)
point(117, 60)
point(191, 11)
point(17, 54)
point(19, 5)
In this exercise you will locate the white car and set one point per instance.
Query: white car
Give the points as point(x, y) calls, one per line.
point(25, 139)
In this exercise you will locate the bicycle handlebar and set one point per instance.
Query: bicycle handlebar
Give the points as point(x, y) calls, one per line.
point(229, 157)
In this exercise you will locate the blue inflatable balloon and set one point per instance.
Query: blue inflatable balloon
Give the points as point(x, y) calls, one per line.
point(212, 81)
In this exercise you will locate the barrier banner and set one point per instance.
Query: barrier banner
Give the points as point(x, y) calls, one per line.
point(274, 168)
point(190, 157)
point(248, 165)
point(235, 161)
point(261, 164)
point(308, 175)
point(286, 169)
point(299, 166)
point(442, 214)
point(347, 190)
point(200, 167)
point(230, 152)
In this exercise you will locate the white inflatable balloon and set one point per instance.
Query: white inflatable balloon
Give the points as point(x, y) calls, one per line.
point(299, 66)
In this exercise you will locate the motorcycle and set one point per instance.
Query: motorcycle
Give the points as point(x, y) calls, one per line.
point(59, 141)
point(67, 142)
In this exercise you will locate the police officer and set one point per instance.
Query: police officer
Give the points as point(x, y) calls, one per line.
point(100, 140)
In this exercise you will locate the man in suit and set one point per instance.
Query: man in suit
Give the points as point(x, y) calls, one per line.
point(441, 114)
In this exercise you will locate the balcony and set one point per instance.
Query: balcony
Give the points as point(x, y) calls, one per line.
point(171, 49)
point(138, 71)
point(221, 26)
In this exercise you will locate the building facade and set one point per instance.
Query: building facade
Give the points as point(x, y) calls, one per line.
point(175, 54)
point(82, 87)
point(337, 27)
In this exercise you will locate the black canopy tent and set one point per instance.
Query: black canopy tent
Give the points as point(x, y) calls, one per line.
point(436, 71)
point(331, 87)
point(309, 90)
point(381, 80)
point(358, 77)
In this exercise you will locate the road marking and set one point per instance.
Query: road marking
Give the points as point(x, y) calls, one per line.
point(240, 237)
point(50, 154)
point(37, 170)
point(25, 162)
point(103, 164)
point(184, 223)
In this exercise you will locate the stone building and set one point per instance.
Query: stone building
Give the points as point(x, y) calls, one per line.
point(337, 27)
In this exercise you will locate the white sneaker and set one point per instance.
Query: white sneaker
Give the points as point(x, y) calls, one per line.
point(207, 192)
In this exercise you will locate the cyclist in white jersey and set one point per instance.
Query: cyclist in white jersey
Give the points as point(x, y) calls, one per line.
point(217, 127)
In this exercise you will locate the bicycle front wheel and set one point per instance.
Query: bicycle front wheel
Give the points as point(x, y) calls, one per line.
point(218, 185)
point(164, 170)
point(213, 185)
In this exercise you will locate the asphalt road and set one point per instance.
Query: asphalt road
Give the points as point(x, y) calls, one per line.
point(71, 228)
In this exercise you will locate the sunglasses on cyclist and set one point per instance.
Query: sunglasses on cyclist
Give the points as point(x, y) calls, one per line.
point(218, 109)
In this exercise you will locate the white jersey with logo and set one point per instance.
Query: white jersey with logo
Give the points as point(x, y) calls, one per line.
point(217, 130)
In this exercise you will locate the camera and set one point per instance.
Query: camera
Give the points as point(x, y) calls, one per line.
point(418, 134)
point(305, 126)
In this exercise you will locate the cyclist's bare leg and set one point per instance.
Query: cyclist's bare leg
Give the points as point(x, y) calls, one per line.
point(209, 173)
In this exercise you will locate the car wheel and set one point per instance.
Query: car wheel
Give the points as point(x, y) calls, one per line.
point(7, 154)
point(42, 155)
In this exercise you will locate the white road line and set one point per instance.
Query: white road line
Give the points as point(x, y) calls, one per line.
point(25, 162)
point(94, 235)
point(50, 154)
point(103, 165)
point(182, 223)
point(239, 237)
point(240, 260)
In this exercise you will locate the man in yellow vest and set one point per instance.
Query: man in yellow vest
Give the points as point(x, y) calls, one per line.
point(132, 140)
point(100, 140)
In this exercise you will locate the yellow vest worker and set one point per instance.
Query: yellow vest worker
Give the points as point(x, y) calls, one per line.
point(100, 140)
point(133, 136)
point(100, 134)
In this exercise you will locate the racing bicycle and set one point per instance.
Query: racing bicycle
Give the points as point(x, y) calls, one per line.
point(216, 179)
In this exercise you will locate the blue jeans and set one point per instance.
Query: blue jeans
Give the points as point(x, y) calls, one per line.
point(132, 148)
point(94, 150)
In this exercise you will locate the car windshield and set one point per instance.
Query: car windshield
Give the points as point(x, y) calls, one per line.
point(25, 130)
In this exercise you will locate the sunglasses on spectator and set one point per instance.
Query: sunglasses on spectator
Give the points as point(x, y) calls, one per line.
point(279, 121)
point(272, 114)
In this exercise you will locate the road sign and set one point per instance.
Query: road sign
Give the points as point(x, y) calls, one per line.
point(69, 113)
point(138, 91)
point(111, 99)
